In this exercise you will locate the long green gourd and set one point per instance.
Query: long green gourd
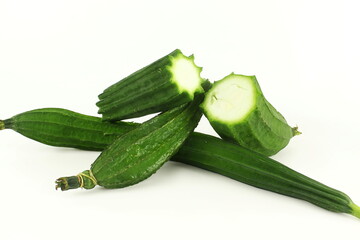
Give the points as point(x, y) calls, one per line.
point(138, 154)
point(238, 111)
point(199, 150)
point(64, 128)
point(236, 162)
point(166, 83)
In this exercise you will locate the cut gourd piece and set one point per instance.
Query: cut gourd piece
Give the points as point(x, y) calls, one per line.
point(166, 83)
point(238, 111)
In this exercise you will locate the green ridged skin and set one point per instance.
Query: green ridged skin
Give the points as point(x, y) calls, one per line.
point(236, 162)
point(154, 88)
point(64, 128)
point(138, 154)
point(208, 153)
point(258, 126)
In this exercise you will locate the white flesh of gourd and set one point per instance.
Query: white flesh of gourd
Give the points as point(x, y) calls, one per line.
point(185, 74)
point(231, 99)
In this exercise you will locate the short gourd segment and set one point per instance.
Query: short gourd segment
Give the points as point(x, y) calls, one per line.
point(138, 154)
point(231, 100)
point(238, 111)
point(166, 83)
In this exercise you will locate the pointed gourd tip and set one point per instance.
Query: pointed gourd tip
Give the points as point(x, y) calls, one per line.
point(355, 210)
point(296, 131)
point(2, 125)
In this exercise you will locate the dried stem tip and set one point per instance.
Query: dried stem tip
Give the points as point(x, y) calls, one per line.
point(83, 180)
point(66, 183)
point(295, 131)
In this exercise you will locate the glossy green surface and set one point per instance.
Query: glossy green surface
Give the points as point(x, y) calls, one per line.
point(216, 155)
point(64, 128)
point(148, 90)
point(212, 154)
point(138, 154)
point(263, 129)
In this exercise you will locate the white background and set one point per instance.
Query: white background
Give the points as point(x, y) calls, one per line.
point(305, 54)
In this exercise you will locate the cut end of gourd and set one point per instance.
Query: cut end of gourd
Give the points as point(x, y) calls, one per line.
point(356, 210)
point(231, 99)
point(186, 74)
point(2, 125)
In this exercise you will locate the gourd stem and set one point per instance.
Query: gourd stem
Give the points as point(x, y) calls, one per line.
point(356, 210)
point(66, 183)
point(83, 180)
point(295, 131)
point(2, 125)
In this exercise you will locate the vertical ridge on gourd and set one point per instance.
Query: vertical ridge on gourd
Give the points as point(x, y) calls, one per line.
point(138, 154)
point(166, 83)
point(238, 111)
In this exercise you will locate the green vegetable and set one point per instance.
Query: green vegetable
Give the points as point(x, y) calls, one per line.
point(64, 128)
point(211, 154)
point(238, 111)
point(168, 82)
point(138, 154)
point(234, 161)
